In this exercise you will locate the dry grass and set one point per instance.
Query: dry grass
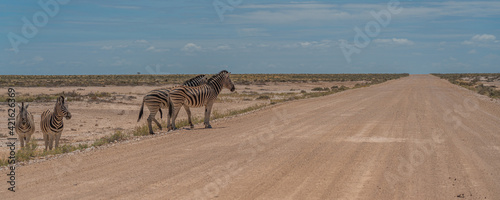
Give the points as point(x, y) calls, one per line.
point(472, 82)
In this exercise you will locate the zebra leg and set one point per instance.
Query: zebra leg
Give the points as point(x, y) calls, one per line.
point(152, 113)
point(149, 126)
point(57, 137)
point(208, 110)
point(21, 140)
point(169, 124)
point(157, 123)
point(51, 141)
point(152, 117)
point(27, 139)
point(174, 116)
point(189, 116)
point(46, 140)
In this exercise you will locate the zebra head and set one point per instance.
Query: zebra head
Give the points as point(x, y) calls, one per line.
point(61, 108)
point(227, 81)
point(23, 113)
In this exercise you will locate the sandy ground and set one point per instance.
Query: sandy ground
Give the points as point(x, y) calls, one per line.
point(94, 119)
point(418, 137)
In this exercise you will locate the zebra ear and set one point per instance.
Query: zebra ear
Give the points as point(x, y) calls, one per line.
point(27, 106)
point(19, 105)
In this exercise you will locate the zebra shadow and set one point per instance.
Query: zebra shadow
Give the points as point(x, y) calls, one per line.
point(203, 128)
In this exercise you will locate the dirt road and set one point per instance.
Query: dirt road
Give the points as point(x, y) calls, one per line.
point(414, 138)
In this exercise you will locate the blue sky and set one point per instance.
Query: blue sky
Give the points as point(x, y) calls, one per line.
point(171, 37)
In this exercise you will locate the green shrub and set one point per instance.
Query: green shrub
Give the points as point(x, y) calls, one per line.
point(321, 89)
point(117, 136)
point(263, 97)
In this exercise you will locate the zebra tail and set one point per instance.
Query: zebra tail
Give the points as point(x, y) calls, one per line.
point(141, 111)
point(161, 113)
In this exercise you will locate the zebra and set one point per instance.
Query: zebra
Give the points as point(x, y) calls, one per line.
point(155, 100)
point(203, 95)
point(25, 125)
point(51, 123)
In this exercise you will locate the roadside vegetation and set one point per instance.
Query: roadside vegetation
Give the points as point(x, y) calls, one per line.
point(481, 83)
point(143, 80)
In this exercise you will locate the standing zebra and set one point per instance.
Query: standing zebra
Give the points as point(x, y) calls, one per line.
point(155, 100)
point(51, 123)
point(25, 125)
point(198, 96)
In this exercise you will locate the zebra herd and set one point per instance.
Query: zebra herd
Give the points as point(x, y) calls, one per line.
point(51, 123)
point(196, 92)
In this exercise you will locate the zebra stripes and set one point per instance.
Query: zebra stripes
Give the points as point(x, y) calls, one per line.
point(155, 100)
point(51, 123)
point(25, 125)
point(203, 95)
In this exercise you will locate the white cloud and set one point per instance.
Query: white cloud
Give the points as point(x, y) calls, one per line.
point(191, 47)
point(223, 47)
point(38, 59)
point(107, 47)
point(313, 12)
point(252, 32)
point(120, 62)
point(29, 62)
point(293, 15)
point(154, 49)
point(473, 51)
point(394, 41)
point(141, 41)
point(293, 5)
point(484, 37)
point(305, 44)
point(122, 7)
point(481, 40)
point(21, 62)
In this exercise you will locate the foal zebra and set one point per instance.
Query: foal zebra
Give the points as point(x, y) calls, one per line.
point(203, 95)
point(155, 100)
point(51, 123)
point(25, 125)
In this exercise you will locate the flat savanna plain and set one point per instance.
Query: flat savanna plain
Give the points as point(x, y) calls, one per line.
point(418, 137)
point(103, 105)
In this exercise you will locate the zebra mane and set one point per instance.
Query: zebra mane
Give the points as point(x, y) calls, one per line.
point(214, 77)
point(62, 99)
point(194, 79)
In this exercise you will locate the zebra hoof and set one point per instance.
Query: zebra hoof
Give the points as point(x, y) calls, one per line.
point(151, 133)
point(192, 126)
point(208, 126)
